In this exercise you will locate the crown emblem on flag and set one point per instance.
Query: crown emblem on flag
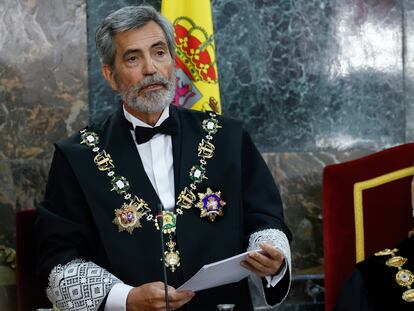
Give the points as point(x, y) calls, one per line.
point(195, 49)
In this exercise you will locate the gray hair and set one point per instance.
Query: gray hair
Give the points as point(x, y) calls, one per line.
point(128, 18)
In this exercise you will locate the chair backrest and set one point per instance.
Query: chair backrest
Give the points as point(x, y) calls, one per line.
point(366, 208)
point(30, 295)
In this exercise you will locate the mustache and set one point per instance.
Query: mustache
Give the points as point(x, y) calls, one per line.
point(154, 79)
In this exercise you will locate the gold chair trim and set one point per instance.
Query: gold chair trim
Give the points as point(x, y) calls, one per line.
point(359, 187)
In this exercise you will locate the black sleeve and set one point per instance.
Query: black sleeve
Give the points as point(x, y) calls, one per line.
point(65, 230)
point(263, 207)
point(261, 199)
point(275, 294)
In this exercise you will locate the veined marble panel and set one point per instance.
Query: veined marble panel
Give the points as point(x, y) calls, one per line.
point(298, 176)
point(43, 71)
point(43, 90)
point(312, 75)
point(43, 98)
point(408, 24)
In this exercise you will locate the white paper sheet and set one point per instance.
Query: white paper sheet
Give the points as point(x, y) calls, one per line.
point(218, 273)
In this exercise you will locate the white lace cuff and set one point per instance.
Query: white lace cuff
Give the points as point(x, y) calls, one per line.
point(279, 240)
point(79, 286)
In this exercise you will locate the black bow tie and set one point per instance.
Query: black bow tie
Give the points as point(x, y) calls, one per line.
point(144, 134)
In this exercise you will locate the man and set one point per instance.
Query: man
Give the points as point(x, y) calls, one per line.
point(99, 240)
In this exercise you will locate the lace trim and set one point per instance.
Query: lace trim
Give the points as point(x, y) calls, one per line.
point(279, 240)
point(275, 237)
point(79, 285)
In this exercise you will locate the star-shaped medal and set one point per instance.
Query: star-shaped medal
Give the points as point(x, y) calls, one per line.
point(128, 217)
point(210, 204)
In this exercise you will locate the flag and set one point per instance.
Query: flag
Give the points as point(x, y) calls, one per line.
point(197, 84)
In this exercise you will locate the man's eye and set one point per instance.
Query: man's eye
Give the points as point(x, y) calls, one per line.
point(132, 59)
point(160, 53)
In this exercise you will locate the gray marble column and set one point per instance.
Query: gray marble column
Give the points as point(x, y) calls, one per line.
point(43, 98)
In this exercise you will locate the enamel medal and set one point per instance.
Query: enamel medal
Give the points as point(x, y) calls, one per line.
point(127, 218)
point(172, 256)
point(210, 204)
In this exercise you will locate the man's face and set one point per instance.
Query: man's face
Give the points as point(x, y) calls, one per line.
point(144, 69)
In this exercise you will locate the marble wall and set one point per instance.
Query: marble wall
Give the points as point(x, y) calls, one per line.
point(314, 81)
point(313, 75)
point(43, 97)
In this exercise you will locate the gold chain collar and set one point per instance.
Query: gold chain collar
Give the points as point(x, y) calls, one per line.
point(128, 217)
point(404, 277)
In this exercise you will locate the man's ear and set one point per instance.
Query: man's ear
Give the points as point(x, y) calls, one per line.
point(109, 76)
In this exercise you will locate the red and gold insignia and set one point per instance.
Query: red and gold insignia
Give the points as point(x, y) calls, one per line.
point(127, 218)
point(195, 49)
point(196, 68)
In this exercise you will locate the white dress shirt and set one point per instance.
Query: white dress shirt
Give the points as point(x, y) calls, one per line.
point(157, 159)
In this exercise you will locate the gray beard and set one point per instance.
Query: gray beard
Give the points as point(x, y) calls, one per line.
point(151, 102)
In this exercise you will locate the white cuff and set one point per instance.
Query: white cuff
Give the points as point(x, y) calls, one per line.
point(117, 297)
point(279, 240)
point(79, 286)
point(272, 281)
point(275, 237)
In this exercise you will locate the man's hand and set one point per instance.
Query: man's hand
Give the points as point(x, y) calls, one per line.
point(266, 264)
point(151, 296)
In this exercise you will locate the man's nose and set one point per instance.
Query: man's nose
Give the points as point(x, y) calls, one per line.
point(149, 67)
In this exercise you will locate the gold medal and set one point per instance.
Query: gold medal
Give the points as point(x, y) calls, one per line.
point(404, 277)
point(127, 218)
point(396, 261)
point(210, 204)
point(408, 295)
point(168, 222)
point(172, 256)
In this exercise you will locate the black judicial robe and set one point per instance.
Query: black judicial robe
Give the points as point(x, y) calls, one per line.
point(75, 219)
point(372, 286)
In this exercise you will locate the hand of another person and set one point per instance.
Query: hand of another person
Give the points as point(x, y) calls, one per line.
point(151, 297)
point(265, 264)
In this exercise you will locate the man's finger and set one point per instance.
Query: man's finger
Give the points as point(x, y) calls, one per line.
point(253, 269)
point(262, 259)
point(259, 267)
point(264, 264)
point(180, 298)
point(180, 295)
point(271, 251)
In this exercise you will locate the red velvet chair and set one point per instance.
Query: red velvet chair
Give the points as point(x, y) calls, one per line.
point(29, 293)
point(366, 208)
